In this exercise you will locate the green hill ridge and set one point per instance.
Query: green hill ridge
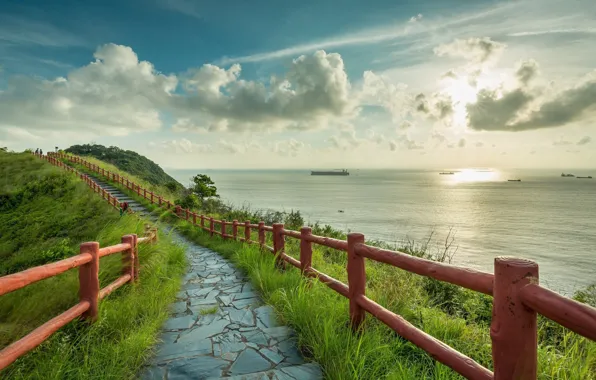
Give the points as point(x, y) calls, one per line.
point(127, 160)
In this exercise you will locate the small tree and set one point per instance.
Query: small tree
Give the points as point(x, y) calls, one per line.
point(203, 187)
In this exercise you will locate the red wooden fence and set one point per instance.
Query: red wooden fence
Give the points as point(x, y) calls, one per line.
point(517, 296)
point(89, 291)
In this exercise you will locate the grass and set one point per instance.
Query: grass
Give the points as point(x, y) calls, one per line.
point(209, 310)
point(457, 316)
point(47, 214)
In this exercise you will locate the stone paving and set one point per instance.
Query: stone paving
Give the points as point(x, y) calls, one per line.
point(219, 327)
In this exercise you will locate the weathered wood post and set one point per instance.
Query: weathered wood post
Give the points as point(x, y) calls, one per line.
point(211, 226)
point(187, 213)
point(235, 229)
point(247, 231)
point(128, 257)
point(305, 249)
point(356, 279)
point(194, 218)
point(178, 209)
point(151, 197)
point(278, 240)
point(159, 201)
point(89, 280)
point(144, 193)
point(139, 190)
point(513, 328)
point(261, 234)
point(223, 229)
point(202, 221)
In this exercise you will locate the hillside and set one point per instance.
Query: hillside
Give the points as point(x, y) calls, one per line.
point(45, 214)
point(128, 160)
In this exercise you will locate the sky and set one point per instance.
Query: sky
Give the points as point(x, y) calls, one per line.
point(312, 84)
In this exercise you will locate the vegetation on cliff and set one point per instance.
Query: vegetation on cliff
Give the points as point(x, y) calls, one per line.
point(128, 160)
point(45, 213)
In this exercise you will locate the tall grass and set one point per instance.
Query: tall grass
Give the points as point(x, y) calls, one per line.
point(46, 213)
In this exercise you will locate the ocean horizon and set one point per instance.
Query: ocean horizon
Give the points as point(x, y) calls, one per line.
point(544, 217)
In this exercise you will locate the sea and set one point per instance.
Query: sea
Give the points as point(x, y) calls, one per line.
point(543, 217)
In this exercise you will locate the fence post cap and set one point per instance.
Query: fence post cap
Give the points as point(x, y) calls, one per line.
point(305, 230)
point(515, 261)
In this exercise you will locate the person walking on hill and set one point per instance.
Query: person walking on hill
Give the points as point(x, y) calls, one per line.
point(41, 152)
point(123, 208)
point(37, 151)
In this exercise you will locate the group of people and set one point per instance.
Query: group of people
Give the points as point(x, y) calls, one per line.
point(39, 151)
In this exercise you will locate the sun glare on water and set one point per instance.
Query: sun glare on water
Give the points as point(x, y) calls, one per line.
point(475, 175)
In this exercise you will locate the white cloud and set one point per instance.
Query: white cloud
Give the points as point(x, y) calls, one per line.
point(461, 143)
point(114, 94)
point(476, 50)
point(479, 144)
point(416, 18)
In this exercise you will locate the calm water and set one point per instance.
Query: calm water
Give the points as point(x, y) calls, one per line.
point(545, 217)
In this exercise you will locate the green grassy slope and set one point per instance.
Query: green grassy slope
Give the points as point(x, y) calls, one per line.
point(457, 316)
point(127, 160)
point(45, 213)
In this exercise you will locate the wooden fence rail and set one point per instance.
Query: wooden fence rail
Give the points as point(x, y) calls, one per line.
point(89, 288)
point(517, 296)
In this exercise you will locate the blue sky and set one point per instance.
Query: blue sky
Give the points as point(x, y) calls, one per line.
point(357, 84)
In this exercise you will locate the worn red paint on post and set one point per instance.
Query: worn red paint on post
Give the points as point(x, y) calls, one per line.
point(305, 249)
point(247, 231)
point(356, 279)
point(223, 229)
point(261, 233)
point(211, 226)
point(513, 328)
point(235, 229)
point(89, 280)
point(128, 256)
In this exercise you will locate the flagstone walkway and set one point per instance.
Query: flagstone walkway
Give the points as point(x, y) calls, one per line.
point(219, 327)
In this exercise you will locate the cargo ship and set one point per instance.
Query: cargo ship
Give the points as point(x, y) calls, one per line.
point(330, 172)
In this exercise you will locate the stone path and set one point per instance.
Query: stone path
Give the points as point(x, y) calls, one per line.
point(219, 328)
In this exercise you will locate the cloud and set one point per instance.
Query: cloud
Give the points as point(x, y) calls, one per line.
point(438, 107)
point(526, 71)
point(392, 146)
point(406, 124)
point(315, 89)
point(477, 50)
point(565, 107)
point(479, 144)
point(461, 143)
point(439, 137)
point(291, 147)
point(377, 90)
point(494, 111)
point(416, 18)
point(118, 94)
point(408, 143)
point(113, 95)
point(181, 146)
point(584, 140)
point(450, 74)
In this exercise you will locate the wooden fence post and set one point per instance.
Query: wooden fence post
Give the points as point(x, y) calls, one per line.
point(356, 279)
point(187, 213)
point(177, 210)
point(513, 328)
point(247, 231)
point(305, 249)
point(211, 227)
point(151, 197)
point(139, 190)
point(128, 257)
point(261, 234)
point(235, 229)
point(144, 193)
point(223, 229)
point(89, 280)
point(159, 201)
point(278, 238)
point(194, 218)
point(202, 221)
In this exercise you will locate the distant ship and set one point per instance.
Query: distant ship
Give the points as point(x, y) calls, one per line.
point(331, 172)
point(514, 180)
point(588, 177)
point(446, 173)
point(567, 175)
